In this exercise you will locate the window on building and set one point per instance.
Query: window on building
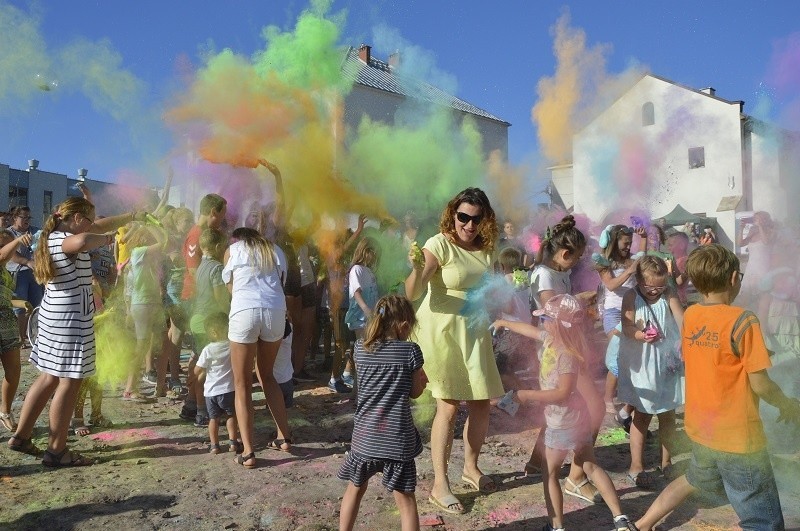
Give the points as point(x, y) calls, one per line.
point(47, 203)
point(17, 196)
point(648, 114)
point(697, 157)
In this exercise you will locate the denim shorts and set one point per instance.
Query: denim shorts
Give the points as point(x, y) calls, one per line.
point(9, 331)
point(746, 479)
point(27, 289)
point(248, 326)
point(221, 405)
point(568, 438)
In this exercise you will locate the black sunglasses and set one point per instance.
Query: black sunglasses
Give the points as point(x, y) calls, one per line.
point(465, 218)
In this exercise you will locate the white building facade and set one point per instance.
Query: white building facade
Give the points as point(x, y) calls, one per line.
point(663, 144)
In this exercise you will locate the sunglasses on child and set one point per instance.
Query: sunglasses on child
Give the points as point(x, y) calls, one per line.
point(654, 289)
point(465, 218)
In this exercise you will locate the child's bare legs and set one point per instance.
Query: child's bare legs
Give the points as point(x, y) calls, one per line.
point(584, 457)
point(672, 496)
point(611, 388)
point(11, 372)
point(553, 498)
point(407, 504)
point(213, 430)
point(233, 428)
point(666, 435)
point(641, 421)
point(96, 396)
point(135, 368)
point(161, 365)
point(351, 501)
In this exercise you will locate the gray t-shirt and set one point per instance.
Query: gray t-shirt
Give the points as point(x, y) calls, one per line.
point(207, 279)
point(545, 279)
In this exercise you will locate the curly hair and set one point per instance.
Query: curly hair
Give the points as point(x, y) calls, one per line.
point(487, 230)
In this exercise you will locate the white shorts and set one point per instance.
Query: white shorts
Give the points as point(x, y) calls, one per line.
point(148, 319)
point(248, 326)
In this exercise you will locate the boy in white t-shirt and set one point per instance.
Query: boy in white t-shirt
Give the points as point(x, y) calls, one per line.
point(215, 364)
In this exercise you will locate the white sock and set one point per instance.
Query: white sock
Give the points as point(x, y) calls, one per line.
point(333, 380)
point(623, 414)
point(346, 374)
point(620, 516)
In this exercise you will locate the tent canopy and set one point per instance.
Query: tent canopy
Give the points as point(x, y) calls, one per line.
point(681, 216)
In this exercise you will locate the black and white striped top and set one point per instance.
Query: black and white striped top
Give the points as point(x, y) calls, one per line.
point(382, 425)
point(65, 346)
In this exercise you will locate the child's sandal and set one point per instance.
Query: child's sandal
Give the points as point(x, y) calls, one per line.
point(284, 445)
point(242, 460)
point(214, 449)
point(236, 446)
point(101, 422)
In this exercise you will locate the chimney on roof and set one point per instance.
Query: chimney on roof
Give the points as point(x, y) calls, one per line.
point(82, 173)
point(33, 164)
point(394, 59)
point(711, 91)
point(364, 53)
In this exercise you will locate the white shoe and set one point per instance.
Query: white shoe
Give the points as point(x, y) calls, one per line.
point(507, 404)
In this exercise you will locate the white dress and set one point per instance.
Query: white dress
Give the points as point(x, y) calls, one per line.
point(65, 343)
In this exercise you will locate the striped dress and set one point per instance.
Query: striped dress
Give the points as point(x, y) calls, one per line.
point(65, 343)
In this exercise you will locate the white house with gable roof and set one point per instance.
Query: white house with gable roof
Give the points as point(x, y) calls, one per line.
point(692, 148)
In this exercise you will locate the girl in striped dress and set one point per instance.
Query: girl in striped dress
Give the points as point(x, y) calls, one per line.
point(385, 439)
point(64, 351)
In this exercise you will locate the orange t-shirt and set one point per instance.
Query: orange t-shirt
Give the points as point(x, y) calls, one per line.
point(721, 345)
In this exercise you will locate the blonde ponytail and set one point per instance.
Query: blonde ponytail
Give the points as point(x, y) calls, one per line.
point(43, 269)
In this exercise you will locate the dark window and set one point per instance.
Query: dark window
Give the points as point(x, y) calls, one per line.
point(47, 203)
point(697, 157)
point(648, 114)
point(17, 196)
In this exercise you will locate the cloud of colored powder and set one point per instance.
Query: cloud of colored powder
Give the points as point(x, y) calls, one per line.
point(23, 55)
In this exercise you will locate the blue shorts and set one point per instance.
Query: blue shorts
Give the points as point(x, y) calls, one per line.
point(746, 479)
point(221, 405)
point(611, 318)
point(27, 289)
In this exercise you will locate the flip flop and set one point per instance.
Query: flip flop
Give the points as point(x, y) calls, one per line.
point(8, 421)
point(446, 503)
point(484, 483)
point(54, 460)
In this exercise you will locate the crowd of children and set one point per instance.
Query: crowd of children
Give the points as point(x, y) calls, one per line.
point(246, 302)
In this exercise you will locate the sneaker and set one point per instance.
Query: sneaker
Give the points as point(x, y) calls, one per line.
point(348, 380)
point(339, 386)
point(621, 523)
point(304, 377)
point(188, 413)
point(548, 527)
point(150, 377)
point(507, 404)
point(201, 420)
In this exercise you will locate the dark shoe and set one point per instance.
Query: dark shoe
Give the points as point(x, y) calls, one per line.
point(201, 420)
point(339, 387)
point(187, 413)
point(304, 377)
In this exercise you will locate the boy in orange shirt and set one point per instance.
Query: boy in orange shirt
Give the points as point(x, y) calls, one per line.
point(726, 362)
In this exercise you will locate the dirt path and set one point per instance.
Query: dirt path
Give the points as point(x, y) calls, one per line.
point(154, 472)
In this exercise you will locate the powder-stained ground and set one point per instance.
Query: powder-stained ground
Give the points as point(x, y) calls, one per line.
point(154, 472)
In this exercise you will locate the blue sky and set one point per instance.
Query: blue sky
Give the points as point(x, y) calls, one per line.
point(495, 52)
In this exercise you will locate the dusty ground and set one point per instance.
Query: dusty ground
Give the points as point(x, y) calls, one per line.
point(154, 472)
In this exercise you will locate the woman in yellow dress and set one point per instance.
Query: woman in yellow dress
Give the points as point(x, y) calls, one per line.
point(458, 358)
